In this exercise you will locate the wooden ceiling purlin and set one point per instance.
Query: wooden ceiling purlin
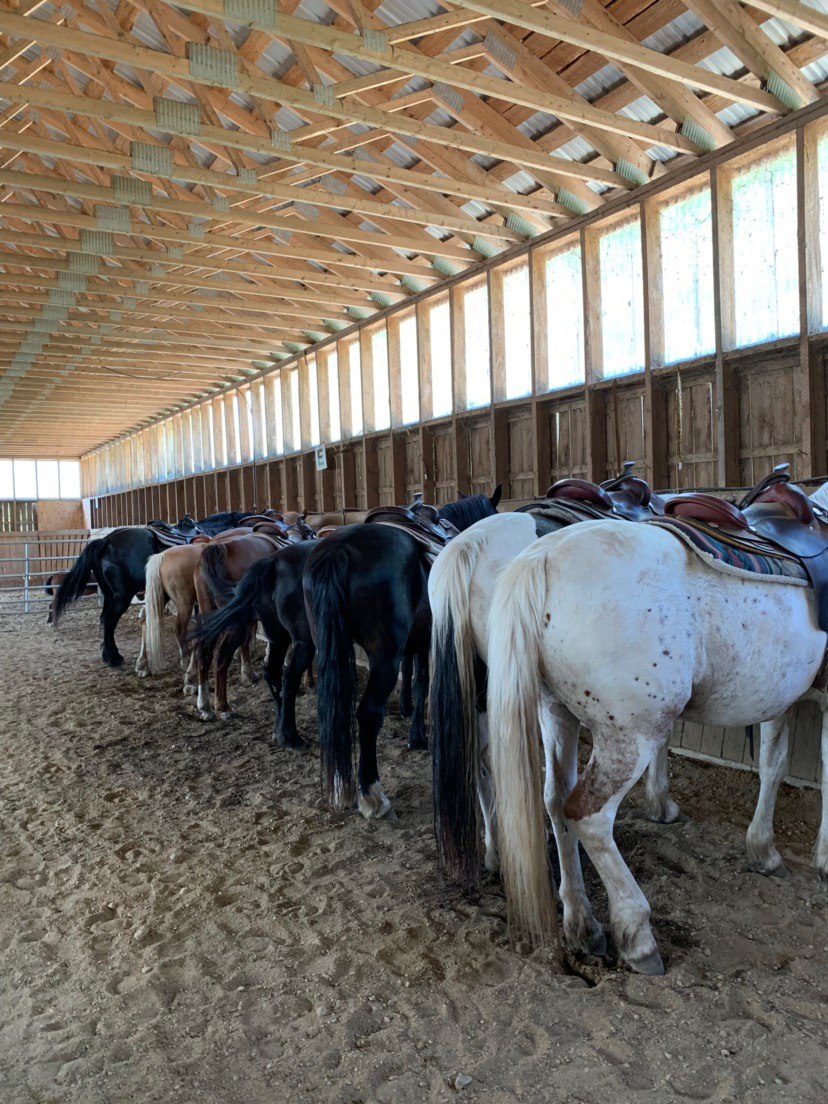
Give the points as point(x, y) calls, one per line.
point(138, 248)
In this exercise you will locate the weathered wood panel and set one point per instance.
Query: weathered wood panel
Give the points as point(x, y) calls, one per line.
point(567, 441)
point(413, 464)
point(630, 435)
point(520, 437)
point(385, 472)
point(443, 464)
point(691, 448)
point(768, 429)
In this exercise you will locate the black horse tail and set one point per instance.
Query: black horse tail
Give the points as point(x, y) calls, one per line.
point(453, 715)
point(47, 586)
point(213, 566)
point(238, 615)
point(76, 580)
point(326, 594)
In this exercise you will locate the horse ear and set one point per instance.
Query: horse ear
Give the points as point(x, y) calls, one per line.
point(495, 499)
point(461, 495)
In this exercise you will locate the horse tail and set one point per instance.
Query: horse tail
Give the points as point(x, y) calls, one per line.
point(75, 581)
point(326, 594)
point(453, 714)
point(156, 602)
point(213, 567)
point(48, 587)
point(240, 613)
point(515, 742)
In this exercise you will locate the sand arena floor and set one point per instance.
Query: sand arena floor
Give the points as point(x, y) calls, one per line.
point(180, 920)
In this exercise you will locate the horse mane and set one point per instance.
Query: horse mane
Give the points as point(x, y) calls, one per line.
point(467, 511)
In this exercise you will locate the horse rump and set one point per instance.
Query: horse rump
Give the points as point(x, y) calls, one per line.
point(74, 583)
point(238, 616)
point(213, 568)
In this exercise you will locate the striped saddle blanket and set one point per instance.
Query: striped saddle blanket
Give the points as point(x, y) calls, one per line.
point(735, 553)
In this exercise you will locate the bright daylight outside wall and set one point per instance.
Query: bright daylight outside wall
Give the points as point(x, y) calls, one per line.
point(562, 314)
point(30, 480)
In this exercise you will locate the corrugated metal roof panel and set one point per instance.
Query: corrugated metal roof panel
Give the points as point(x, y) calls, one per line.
point(600, 82)
point(394, 12)
point(676, 33)
point(782, 32)
point(537, 124)
point(724, 62)
point(577, 149)
point(736, 113)
point(817, 71)
point(644, 110)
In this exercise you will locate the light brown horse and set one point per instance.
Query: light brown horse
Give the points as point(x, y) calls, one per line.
point(219, 568)
point(170, 577)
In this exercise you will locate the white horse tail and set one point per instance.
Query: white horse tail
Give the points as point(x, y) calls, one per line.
point(156, 601)
point(515, 633)
point(453, 713)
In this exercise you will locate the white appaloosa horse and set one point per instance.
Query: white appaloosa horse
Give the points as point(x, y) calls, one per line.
point(623, 629)
point(460, 588)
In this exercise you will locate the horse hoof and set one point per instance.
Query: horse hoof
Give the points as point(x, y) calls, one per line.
point(189, 690)
point(649, 964)
point(141, 672)
point(114, 661)
point(666, 813)
point(492, 862)
point(226, 715)
point(294, 745)
point(587, 938)
point(374, 805)
point(206, 715)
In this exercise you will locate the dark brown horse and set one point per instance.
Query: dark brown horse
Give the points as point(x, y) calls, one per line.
point(219, 568)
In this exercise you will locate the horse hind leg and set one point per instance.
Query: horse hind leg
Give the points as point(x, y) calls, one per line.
point(773, 764)
point(658, 805)
point(249, 677)
point(618, 760)
point(559, 730)
point(141, 664)
point(417, 739)
point(821, 847)
point(301, 658)
point(382, 679)
point(485, 795)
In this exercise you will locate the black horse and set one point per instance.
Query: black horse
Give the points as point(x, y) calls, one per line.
point(118, 561)
point(367, 584)
point(271, 592)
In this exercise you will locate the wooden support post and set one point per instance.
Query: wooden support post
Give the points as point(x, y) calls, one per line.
point(810, 377)
point(595, 401)
point(655, 397)
point(727, 394)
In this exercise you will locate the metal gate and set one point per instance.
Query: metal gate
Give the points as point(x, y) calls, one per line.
point(27, 560)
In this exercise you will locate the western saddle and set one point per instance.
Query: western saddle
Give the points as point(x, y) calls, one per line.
point(270, 525)
point(572, 500)
point(774, 513)
point(420, 521)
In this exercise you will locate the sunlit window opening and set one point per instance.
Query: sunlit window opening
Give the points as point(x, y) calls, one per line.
point(221, 433)
point(379, 370)
point(409, 372)
point(355, 378)
point(517, 332)
point(313, 395)
point(439, 350)
point(564, 318)
point(477, 346)
point(295, 419)
point(334, 415)
point(765, 267)
point(29, 480)
point(261, 451)
point(278, 415)
point(207, 447)
point(622, 299)
point(686, 232)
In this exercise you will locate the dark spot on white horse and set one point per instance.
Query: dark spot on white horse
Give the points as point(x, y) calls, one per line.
point(665, 652)
point(587, 693)
point(548, 618)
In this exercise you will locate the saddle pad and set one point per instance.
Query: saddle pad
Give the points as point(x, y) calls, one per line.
point(567, 511)
point(736, 556)
point(430, 548)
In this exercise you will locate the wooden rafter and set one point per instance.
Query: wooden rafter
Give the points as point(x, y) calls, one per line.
point(158, 220)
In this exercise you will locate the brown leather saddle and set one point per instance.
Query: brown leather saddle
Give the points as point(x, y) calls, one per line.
point(774, 515)
point(420, 521)
point(625, 497)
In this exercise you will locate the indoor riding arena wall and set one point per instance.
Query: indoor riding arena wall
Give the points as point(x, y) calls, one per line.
point(672, 423)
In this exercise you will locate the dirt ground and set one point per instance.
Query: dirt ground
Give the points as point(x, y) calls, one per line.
point(180, 920)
